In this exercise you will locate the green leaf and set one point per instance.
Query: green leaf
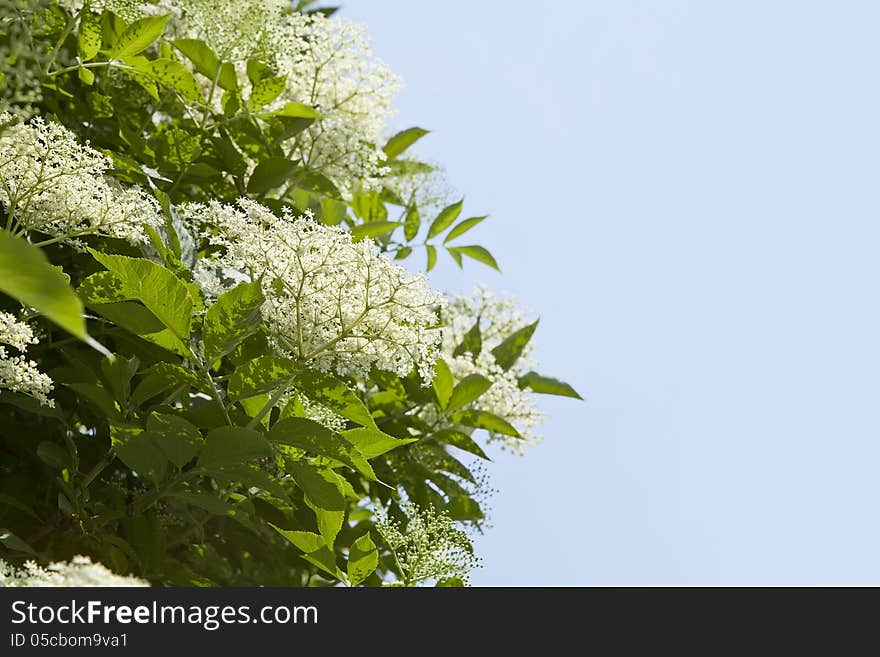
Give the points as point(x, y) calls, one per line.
point(270, 173)
point(462, 227)
point(178, 439)
point(363, 558)
point(443, 382)
point(85, 76)
point(261, 375)
point(478, 253)
point(431, 251)
point(509, 351)
point(332, 392)
point(487, 421)
point(547, 386)
point(462, 507)
point(318, 439)
point(250, 475)
point(294, 110)
point(265, 91)
point(139, 36)
point(323, 495)
point(460, 440)
point(467, 390)
point(13, 542)
point(445, 218)
point(232, 446)
point(206, 62)
point(471, 343)
point(257, 71)
point(89, 37)
point(412, 223)
point(173, 75)
point(373, 229)
point(118, 373)
point(233, 318)
point(314, 549)
point(53, 455)
point(26, 275)
point(165, 295)
point(450, 582)
point(403, 140)
point(372, 443)
point(137, 450)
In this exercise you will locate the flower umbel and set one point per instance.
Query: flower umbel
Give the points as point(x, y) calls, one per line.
point(429, 547)
point(51, 183)
point(79, 571)
point(17, 373)
point(330, 301)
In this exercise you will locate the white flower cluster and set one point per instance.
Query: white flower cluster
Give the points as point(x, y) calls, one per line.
point(328, 64)
point(429, 547)
point(499, 317)
point(337, 304)
point(51, 183)
point(79, 571)
point(17, 373)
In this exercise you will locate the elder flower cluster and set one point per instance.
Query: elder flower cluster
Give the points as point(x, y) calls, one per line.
point(17, 373)
point(429, 547)
point(79, 571)
point(327, 63)
point(335, 303)
point(52, 184)
point(498, 317)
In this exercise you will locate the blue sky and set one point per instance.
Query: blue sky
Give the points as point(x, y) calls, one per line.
point(688, 192)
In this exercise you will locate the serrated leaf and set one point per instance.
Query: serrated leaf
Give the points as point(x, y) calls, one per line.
point(165, 295)
point(471, 342)
point(137, 450)
point(233, 318)
point(511, 348)
point(487, 421)
point(478, 253)
point(265, 91)
point(412, 223)
point(318, 439)
point(172, 74)
point(206, 62)
point(373, 229)
point(460, 440)
point(443, 382)
point(547, 386)
point(467, 390)
point(431, 252)
point(372, 442)
point(270, 173)
point(261, 375)
point(232, 446)
point(89, 36)
point(323, 495)
point(314, 549)
point(363, 558)
point(332, 392)
point(178, 439)
point(138, 36)
point(462, 227)
point(250, 475)
point(403, 140)
point(445, 218)
point(294, 110)
point(27, 275)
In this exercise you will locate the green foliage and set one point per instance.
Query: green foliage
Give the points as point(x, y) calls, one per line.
point(186, 448)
